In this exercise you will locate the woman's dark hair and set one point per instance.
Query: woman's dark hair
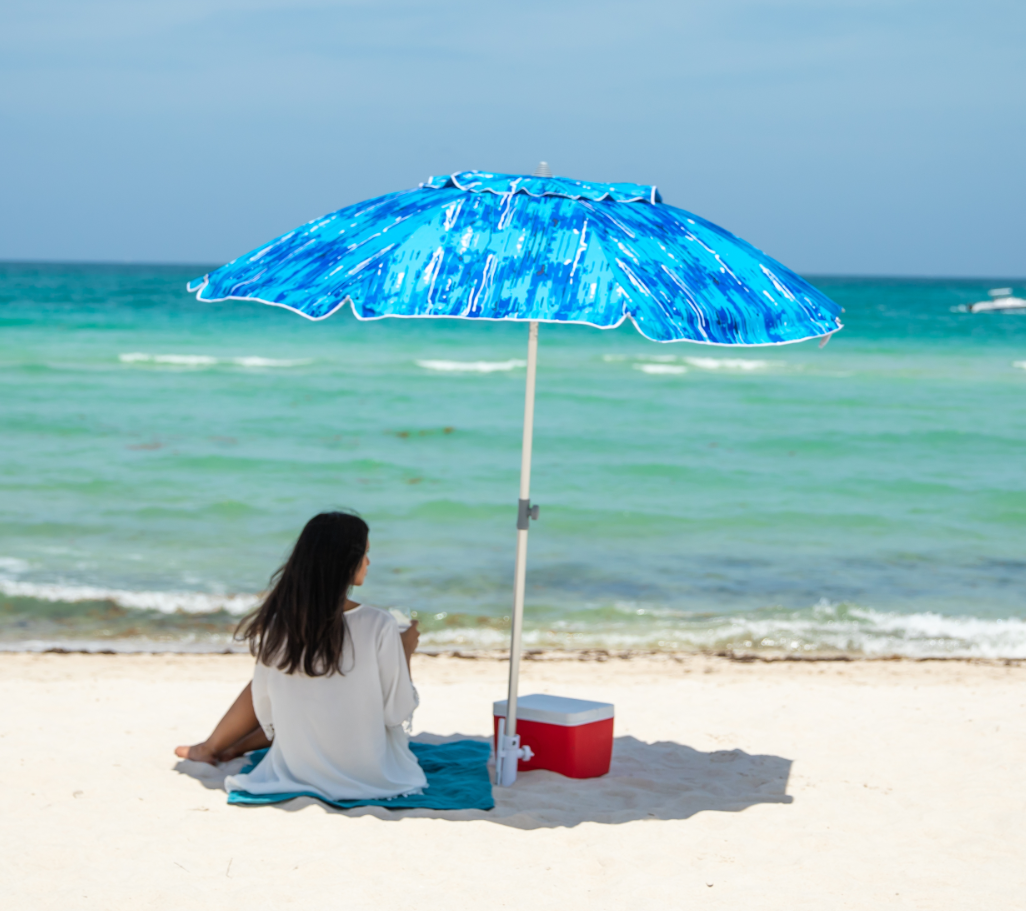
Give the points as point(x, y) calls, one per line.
point(300, 625)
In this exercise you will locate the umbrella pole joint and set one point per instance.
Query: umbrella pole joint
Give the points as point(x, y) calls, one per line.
point(526, 512)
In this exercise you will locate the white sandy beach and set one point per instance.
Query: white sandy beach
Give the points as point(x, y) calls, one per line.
point(784, 785)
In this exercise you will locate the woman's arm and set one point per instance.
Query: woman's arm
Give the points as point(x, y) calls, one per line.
point(410, 637)
point(397, 691)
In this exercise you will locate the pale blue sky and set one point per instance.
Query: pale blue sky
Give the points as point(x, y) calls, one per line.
point(853, 136)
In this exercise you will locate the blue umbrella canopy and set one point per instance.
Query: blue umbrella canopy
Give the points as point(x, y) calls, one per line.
point(476, 245)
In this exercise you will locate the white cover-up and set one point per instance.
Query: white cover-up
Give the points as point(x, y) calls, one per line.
point(341, 736)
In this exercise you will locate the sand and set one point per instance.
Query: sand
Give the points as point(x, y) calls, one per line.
point(741, 785)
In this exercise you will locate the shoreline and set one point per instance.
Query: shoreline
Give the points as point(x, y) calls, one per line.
point(584, 655)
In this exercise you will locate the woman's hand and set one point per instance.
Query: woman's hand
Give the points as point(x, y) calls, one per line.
point(410, 637)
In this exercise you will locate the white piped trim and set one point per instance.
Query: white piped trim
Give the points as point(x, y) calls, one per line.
point(650, 198)
point(511, 319)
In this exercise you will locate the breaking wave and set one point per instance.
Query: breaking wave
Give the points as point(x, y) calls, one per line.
point(205, 360)
point(744, 365)
point(202, 621)
point(661, 368)
point(669, 363)
point(166, 602)
point(825, 629)
point(471, 366)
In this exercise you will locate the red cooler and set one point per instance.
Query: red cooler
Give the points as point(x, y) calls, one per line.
point(571, 736)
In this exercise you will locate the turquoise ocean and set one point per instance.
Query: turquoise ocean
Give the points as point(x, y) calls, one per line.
point(159, 455)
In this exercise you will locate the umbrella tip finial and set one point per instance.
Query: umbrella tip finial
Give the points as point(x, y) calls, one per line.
point(543, 170)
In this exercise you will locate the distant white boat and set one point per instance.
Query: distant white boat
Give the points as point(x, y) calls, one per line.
point(1000, 299)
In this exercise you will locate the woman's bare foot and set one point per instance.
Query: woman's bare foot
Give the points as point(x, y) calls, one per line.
point(198, 752)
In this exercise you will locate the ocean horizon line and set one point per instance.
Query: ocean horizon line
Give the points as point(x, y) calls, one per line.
point(215, 264)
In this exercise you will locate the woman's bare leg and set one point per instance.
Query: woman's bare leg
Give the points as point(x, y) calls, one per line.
point(256, 740)
point(240, 721)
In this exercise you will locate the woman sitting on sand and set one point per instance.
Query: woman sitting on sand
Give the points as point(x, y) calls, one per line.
point(331, 689)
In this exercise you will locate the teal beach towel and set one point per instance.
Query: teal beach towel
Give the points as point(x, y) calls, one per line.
point(457, 776)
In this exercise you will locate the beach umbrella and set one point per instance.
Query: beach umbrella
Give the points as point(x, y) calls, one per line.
point(536, 249)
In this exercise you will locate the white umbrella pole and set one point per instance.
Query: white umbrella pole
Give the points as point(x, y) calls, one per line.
point(508, 748)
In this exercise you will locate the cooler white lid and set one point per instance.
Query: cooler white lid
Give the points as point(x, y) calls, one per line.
point(556, 710)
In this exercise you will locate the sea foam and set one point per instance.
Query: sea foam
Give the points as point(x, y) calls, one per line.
point(670, 364)
point(870, 633)
point(825, 629)
point(205, 360)
point(744, 365)
point(166, 602)
point(13, 565)
point(665, 369)
point(269, 362)
point(471, 366)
